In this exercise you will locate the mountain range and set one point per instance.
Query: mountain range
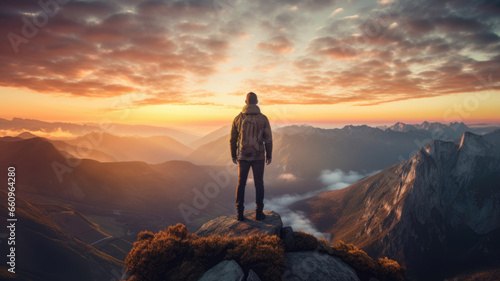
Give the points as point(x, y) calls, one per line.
point(99, 190)
point(453, 130)
point(332, 148)
point(74, 129)
point(304, 151)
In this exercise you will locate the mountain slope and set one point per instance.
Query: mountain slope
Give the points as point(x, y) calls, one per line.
point(179, 135)
point(223, 131)
point(79, 226)
point(213, 153)
point(438, 212)
point(45, 252)
point(81, 151)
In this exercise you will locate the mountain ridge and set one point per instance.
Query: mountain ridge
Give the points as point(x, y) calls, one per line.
point(153, 149)
point(304, 150)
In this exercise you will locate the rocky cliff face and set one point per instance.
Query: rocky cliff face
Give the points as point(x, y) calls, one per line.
point(451, 217)
point(447, 183)
point(438, 212)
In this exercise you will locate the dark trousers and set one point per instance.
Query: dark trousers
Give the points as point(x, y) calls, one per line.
point(258, 178)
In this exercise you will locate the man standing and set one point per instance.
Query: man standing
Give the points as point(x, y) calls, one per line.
point(251, 146)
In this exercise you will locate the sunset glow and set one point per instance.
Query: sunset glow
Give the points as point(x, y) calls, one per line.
point(271, 140)
point(190, 63)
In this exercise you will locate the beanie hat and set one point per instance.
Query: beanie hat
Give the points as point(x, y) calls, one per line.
point(251, 98)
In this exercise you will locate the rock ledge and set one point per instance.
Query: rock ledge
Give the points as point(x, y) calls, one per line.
point(228, 225)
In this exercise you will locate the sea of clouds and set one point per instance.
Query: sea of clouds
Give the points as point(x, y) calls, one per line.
point(332, 180)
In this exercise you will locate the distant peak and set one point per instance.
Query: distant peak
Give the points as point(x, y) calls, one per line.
point(350, 127)
point(474, 144)
point(26, 135)
point(468, 137)
point(457, 125)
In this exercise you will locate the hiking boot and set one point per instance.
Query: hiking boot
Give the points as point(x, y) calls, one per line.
point(240, 217)
point(259, 216)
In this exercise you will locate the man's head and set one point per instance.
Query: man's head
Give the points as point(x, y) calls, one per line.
point(251, 98)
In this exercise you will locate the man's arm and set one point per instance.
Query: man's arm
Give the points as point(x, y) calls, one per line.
point(268, 141)
point(234, 138)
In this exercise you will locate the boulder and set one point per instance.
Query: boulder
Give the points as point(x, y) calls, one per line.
point(287, 237)
point(225, 270)
point(316, 266)
point(230, 227)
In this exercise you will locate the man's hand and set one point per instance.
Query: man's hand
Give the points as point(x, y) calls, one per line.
point(268, 161)
point(235, 161)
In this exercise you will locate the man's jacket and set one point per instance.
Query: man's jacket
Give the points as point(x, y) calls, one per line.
point(261, 131)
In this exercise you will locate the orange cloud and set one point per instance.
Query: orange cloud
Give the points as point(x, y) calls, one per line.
point(166, 50)
point(104, 51)
point(277, 45)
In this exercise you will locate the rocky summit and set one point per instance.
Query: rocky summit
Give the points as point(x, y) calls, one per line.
point(225, 249)
point(300, 265)
point(229, 227)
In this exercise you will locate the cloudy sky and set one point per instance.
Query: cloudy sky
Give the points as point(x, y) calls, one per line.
point(191, 62)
